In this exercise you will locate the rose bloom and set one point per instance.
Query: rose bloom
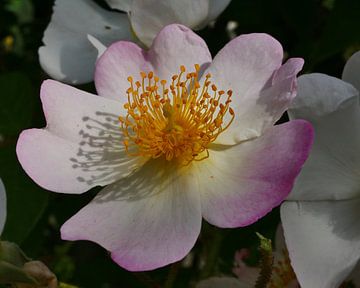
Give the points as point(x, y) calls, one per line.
point(78, 28)
point(321, 214)
point(176, 136)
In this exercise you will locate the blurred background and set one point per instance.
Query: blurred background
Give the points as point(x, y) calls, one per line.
point(323, 32)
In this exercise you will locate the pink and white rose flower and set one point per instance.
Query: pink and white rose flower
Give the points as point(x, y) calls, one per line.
point(174, 136)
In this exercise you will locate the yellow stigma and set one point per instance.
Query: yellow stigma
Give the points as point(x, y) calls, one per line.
point(176, 121)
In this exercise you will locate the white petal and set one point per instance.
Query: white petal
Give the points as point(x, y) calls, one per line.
point(250, 65)
point(175, 45)
point(323, 239)
point(2, 206)
point(81, 147)
point(333, 168)
point(148, 17)
point(122, 5)
point(67, 54)
point(100, 47)
point(146, 221)
point(242, 183)
point(319, 95)
point(351, 73)
point(222, 282)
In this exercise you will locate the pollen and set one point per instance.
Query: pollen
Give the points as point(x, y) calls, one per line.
point(176, 120)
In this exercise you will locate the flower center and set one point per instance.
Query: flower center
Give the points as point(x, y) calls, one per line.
point(176, 121)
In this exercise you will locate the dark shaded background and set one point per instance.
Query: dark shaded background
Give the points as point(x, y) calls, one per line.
point(323, 32)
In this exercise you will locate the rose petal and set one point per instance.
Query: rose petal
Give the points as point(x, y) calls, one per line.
point(67, 54)
point(246, 65)
point(175, 45)
point(323, 239)
point(70, 111)
point(148, 17)
point(81, 147)
point(319, 95)
point(59, 165)
point(331, 105)
point(121, 60)
point(352, 71)
point(146, 221)
point(2, 206)
point(243, 183)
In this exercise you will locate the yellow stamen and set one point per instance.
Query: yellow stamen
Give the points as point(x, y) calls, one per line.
point(178, 121)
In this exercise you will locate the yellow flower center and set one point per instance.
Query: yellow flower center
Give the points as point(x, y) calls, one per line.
point(177, 122)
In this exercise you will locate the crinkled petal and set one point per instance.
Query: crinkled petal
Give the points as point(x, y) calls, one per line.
point(175, 45)
point(81, 147)
point(122, 5)
point(2, 206)
point(243, 183)
point(216, 8)
point(250, 65)
point(332, 106)
point(148, 17)
point(67, 54)
point(222, 282)
point(323, 239)
point(352, 71)
point(146, 221)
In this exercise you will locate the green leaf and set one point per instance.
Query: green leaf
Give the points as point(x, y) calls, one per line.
point(341, 30)
point(23, 9)
point(16, 105)
point(25, 200)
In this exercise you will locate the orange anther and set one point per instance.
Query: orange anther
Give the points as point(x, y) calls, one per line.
point(182, 68)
